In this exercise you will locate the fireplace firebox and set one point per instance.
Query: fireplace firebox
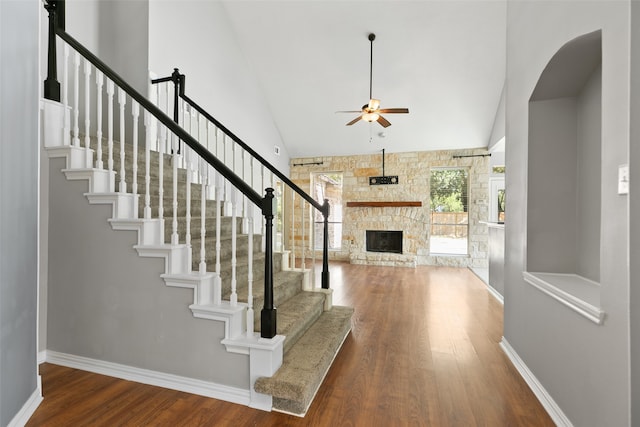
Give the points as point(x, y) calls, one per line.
point(384, 241)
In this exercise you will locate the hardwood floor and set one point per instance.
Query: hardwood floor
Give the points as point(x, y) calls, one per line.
point(423, 351)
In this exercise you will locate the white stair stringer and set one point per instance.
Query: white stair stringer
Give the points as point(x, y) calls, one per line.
point(150, 231)
point(100, 180)
point(123, 203)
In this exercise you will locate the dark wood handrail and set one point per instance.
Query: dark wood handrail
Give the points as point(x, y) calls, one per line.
point(268, 326)
point(202, 151)
point(179, 81)
point(265, 163)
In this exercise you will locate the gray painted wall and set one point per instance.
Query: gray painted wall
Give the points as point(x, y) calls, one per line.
point(107, 303)
point(124, 47)
point(551, 204)
point(634, 201)
point(19, 100)
point(197, 38)
point(496, 259)
point(589, 176)
point(499, 129)
point(583, 366)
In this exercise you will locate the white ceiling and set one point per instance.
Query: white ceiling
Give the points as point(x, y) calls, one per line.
point(444, 60)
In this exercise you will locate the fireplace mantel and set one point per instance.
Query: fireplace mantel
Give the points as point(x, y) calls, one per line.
point(384, 204)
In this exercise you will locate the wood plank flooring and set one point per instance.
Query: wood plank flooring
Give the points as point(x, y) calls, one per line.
point(423, 351)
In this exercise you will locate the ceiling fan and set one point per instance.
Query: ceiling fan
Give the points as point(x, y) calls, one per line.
point(372, 112)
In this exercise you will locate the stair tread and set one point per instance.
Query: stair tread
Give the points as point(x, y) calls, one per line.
point(304, 367)
point(296, 315)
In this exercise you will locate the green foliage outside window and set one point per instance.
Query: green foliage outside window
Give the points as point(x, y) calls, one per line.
point(449, 190)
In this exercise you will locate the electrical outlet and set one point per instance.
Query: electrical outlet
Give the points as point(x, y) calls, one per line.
point(623, 179)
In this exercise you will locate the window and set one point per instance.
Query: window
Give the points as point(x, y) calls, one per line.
point(497, 199)
point(449, 211)
point(328, 186)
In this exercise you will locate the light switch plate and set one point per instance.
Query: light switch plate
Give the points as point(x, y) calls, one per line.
point(623, 179)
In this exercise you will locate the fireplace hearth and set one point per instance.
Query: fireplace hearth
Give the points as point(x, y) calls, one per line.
point(384, 241)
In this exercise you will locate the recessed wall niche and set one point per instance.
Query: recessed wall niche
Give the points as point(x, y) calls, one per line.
point(564, 176)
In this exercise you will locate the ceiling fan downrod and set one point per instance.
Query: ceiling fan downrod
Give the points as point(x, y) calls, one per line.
point(372, 37)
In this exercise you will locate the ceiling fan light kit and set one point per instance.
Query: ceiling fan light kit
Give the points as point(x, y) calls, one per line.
point(371, 112)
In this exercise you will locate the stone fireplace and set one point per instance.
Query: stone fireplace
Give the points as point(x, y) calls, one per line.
point(403, 206)
point(384, 241)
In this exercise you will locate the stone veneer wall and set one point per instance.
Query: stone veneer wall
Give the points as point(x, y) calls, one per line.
point(413, 169)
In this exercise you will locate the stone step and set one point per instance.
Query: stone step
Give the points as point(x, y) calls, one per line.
point(305, 365)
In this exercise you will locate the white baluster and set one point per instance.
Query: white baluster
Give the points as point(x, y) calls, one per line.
point(234, 233)
point(99, 83)
point(226, 183)
point(163, 137)
point(175, 160)
point(243, 207)
point(147, 164)
point(187, 155)
point(250, 273)
point(303, 245)
point(65, 94)
point(293, 229)
point(233, 156)
point(122, 100)
point(110, 93)
point(87, 114)
point(167, 111)
point(76, 100)
point(219, 188)
point(135, 112)
point(203, 215)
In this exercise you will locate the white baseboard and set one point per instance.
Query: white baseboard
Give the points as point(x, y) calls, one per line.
point(541, 393)
point(155, 378)
point(42, 357)
point(30, 406)
point(495, 294)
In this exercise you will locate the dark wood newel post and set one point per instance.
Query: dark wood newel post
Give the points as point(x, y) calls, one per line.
point(268, 314)
point(51, 84)
point(325, 247)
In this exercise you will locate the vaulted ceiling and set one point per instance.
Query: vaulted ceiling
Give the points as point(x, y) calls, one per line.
point(444, 60)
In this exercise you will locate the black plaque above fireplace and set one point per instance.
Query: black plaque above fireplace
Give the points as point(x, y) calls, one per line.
point(384, 241)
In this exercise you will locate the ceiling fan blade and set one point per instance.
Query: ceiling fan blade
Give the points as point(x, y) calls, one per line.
point(384, 122)
point(394, 110)
point(354, 111)
point(357, 119)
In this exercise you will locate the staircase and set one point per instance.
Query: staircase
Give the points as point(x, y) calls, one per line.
point(313, 329)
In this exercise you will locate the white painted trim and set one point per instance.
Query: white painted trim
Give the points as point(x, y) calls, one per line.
point(552, 408)
point(155, 378)
point(495, 293)
point(29, 407)
point(42, 357)
point(579, 294)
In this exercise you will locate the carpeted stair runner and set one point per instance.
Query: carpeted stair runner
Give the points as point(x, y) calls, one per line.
point(305, 365)
point(313, 336)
